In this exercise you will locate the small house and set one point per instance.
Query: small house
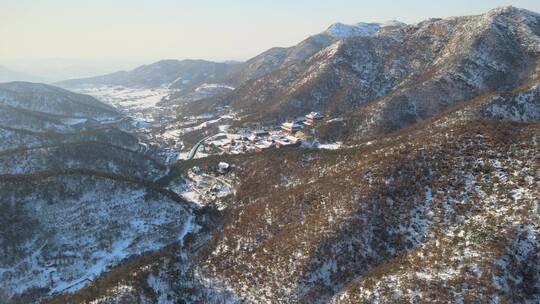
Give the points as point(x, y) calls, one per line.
point(312, 117)
point(300, 120)
point(287, 141)
point(233, 136)
point(245, 134)
point(291, 127)
point(263, 144)
point(257, 135)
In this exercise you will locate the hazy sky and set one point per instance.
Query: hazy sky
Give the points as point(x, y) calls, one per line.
point(124, 32)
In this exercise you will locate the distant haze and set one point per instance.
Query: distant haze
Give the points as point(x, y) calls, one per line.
point(59, 39)
point(55, 69)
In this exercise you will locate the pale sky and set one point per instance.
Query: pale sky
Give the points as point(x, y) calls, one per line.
point(129, 32)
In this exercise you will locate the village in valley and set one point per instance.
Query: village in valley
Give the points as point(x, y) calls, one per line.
point(293, 133)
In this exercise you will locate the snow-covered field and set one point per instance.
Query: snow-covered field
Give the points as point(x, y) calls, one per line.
point(138, 102)
point(127, 97)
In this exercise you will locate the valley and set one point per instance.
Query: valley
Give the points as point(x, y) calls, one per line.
point(369, 163)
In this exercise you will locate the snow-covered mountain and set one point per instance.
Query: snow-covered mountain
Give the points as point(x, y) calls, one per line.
point(179, 74)
point(80, 195)
point(192, 80)
point(452, 200)
point(431, 197)
point(63, 230)
point(340, 30)
point(54, 101)
point(401, 75)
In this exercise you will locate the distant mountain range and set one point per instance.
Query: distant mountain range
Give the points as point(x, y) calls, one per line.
point(188, 74)
point(199, 79)
point(166, 73)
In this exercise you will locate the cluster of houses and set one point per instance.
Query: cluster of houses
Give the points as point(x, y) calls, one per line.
point(299, 123)
point(246, 141)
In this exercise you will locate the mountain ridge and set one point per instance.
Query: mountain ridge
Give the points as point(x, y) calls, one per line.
point(430, 192)
point(381, 69)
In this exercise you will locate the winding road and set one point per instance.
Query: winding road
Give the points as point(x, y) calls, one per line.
point(193, 150)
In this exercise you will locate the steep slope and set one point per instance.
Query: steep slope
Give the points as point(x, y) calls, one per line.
point(278, 58)
point(455, 207)
point(443, 211)
point(53, 100)
point(260, 65)
point(520, 104)
point(96, 156)
point(192, 80)
point(400, 75)
point(282, 57)
point(334, 217)
point(79, 195)
point(63, 230)
point(12, 139)
point(34, 115)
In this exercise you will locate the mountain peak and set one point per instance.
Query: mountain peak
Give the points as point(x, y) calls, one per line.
point(511, 10)
point(342, 30)
point(395, 23)
point(504, 10)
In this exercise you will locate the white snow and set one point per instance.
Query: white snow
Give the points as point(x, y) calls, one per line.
point(331, 146)
point(201, 188)
point(193, 196)
point(341, 30)
point(338, 119)
point(74, 121)
point(206, 86)
point(223, 166)
point(96, 231)
point(223, 128)
point(136, 100)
